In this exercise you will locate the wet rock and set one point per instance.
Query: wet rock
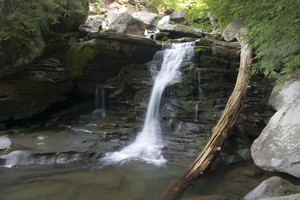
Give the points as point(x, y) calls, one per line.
point(27, 158)
point(16, 158)
point(272, 187)
point(245, 154)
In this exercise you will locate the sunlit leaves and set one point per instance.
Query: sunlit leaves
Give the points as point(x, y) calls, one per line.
point(273, 31)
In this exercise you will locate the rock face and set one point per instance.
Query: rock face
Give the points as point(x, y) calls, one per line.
point(278, 146)
point(273, 187)
point(33, 90)
point(87, 64)
point(177, 31)
point(102, 57)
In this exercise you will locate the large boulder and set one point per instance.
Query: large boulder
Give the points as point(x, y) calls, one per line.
point(278, 146)
point(273, 187)
point(124, 23)
point(230, 32)
point(284, 95)
point(147, 17)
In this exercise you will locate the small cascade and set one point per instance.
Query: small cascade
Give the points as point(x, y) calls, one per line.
point(163, 21)
point(100, 108)
point(196, 110)
point(199, 89)
point(165, 69)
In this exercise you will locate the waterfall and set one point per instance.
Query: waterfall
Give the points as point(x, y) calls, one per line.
point(165, 71)
point(196, 110)
point(199, 89)
point(100, 110)
point(163, 21)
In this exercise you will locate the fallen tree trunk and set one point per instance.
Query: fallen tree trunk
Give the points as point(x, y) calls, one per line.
point(219, 133)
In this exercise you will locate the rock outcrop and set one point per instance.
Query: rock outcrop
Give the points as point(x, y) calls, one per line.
point(278, 146)
point(178, 30)
point(94, 61)
point(32, 90)
point(86, 64)
point(273, 187)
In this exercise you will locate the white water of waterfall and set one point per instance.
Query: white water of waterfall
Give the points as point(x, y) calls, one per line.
point(148, 143)
point(196, 110)
point(163, 21)
point(100, 102)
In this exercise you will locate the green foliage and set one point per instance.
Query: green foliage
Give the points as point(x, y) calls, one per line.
point(273, 31)
point(196, 11)
point(22, 19)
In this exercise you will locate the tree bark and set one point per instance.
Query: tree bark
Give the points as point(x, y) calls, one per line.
point(219, 133)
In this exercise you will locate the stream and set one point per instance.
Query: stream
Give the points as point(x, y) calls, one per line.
point(46, 174)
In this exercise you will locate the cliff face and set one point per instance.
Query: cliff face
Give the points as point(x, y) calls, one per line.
point(48, 58)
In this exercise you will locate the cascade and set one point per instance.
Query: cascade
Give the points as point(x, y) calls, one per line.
point(200, 91)
point(100, 109)
point(163, 21)
point(196, 110)
point(165, 71)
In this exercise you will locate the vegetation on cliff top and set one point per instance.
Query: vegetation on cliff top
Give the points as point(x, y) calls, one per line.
point(273, 28)
point(23, 19)
point(273, 31)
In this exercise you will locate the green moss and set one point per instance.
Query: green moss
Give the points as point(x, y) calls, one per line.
point(201, 48)
point(78, 56)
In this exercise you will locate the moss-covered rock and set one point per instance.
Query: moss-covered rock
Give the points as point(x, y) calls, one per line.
point(94, 61)
point(78, 56)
